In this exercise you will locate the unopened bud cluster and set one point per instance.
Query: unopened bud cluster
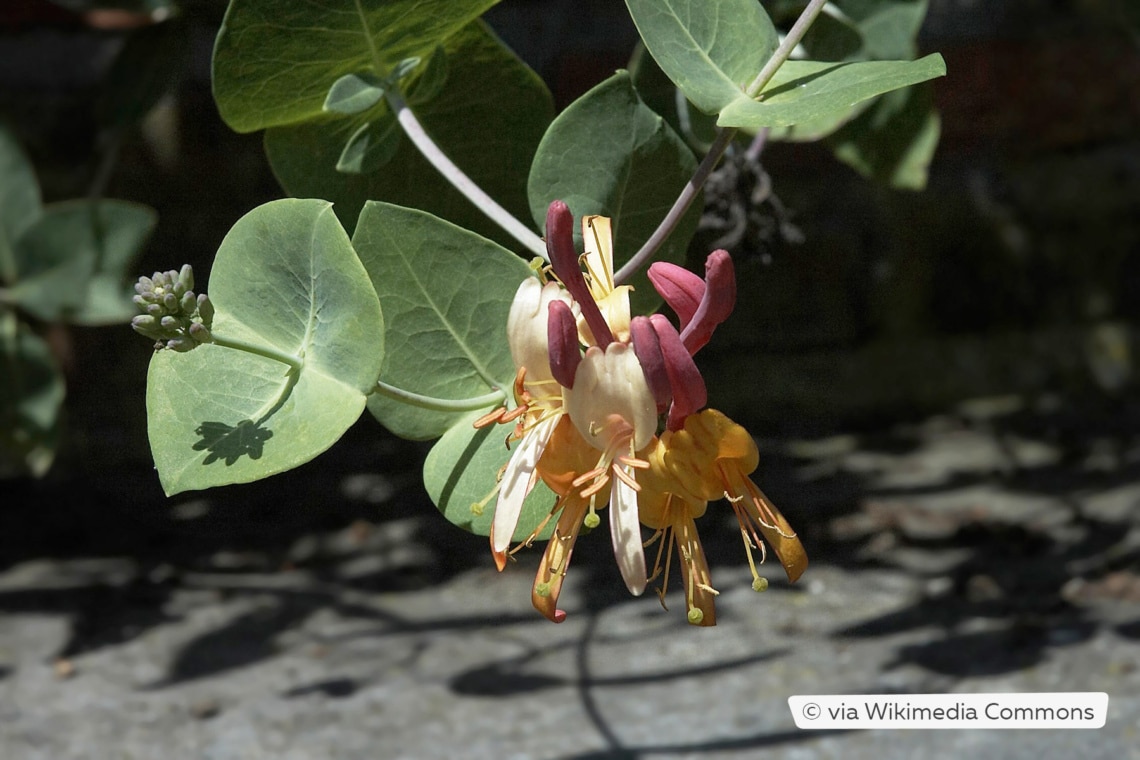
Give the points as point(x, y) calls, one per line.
point(172, 314)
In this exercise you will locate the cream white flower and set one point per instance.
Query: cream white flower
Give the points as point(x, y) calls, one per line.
point(614, 411)
point(539, 399)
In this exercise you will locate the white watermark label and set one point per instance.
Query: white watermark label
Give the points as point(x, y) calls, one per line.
point(1086, 709)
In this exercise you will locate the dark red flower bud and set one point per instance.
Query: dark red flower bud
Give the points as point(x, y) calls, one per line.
point(562, 340)
point(564, 260)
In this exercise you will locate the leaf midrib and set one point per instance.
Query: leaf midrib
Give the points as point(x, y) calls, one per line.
point(726, 81)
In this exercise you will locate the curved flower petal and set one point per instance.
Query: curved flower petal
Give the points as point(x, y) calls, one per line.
point(613, 301)
point(775, 529)
point(626, 533)
point(527, 326)
point(611, 398)
point(518, 480)
point(552, 568)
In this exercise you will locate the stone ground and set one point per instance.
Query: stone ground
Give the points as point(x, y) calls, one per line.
point(330, 613)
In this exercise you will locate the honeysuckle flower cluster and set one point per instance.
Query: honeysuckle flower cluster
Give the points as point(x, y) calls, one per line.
point(172, 315)
point(591, 389)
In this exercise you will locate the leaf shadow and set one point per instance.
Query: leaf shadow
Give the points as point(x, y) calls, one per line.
point(247, 438)
point(230, 443)
point(793, 84)
point(461, 463)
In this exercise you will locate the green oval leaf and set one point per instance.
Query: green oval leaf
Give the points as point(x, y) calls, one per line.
point(73, 261)
point(460, 475)
point(371, 147)
point(659, 93)
point(286, 279)
point(274, 62)
point(492, 143)
point(889, 28)
point(31, 397)
point(354, 93)
point(608, 153)
point(431, 79)
point(711, 51)
point(20, 205)
point(446, 294)
point(808, 91)
point(893, 141)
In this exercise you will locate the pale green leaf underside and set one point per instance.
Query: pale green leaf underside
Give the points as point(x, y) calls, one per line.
point(711, 50)
point(286, 279)
point(461, 470)
point(808, 91)
point(215, 419)
point(446, 294)
point(274, 62)
point(287, 274)
point(354, 93)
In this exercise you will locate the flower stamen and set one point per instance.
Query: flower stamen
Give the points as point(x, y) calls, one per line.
point(624, 476)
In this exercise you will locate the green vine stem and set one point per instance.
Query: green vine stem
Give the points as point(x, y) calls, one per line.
point(724, 136)
point(294, 362)
point(464, 184)
point(787, 45)
point(439, 404)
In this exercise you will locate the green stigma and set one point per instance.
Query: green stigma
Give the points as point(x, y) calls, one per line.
point(592, 520)
point(695, 616)
point(760, 585)
point(542, 589)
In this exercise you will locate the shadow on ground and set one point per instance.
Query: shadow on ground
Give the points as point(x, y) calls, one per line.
point(1002, 536)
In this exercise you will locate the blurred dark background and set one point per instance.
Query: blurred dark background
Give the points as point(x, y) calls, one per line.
point(943, 384)
point(1014, 272)
point(1008, 291)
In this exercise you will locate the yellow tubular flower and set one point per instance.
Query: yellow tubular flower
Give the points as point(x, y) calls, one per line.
point(712, 456)
point(598, 260)
point(673, 516)
point(563, 462)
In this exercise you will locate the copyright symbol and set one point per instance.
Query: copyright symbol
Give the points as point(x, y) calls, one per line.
point(811, 711)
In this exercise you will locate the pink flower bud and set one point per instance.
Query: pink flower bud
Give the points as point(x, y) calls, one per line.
point(680, 288)
point(716, 304)
point(689, 392)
